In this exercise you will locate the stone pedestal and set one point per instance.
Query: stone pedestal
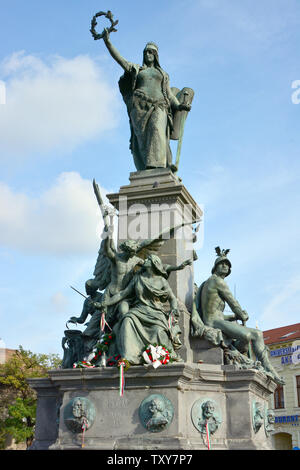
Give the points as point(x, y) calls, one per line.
point(118, 425)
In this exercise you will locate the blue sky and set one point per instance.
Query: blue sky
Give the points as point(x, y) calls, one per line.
point(64, 123)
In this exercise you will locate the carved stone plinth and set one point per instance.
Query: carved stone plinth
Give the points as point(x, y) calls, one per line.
point(120, 422)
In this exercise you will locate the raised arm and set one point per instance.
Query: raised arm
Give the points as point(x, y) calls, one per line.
point(108, 246)
point(114, 52)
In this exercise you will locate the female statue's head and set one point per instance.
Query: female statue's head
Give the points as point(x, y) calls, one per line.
point(154, 262)
point(150, 54)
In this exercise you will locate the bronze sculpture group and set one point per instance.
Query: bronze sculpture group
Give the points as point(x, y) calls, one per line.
point(136, 303)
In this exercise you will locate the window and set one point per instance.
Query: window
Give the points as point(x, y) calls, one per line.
point(279, 398)
point(298, 388)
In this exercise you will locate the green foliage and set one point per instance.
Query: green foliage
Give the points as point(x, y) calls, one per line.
point(18, 400)
point(23, 365)
point(21, 420)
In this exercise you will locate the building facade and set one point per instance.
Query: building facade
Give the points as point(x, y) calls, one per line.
point(284, 346)
point(5, 354)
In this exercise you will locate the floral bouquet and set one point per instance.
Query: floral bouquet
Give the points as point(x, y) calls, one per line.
point(156, 355)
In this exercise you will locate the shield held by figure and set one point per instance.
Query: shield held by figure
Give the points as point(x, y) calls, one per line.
point(185, 96)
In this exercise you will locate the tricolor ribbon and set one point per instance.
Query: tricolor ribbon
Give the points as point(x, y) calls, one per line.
point(103, 322)
point(122, 378)
point(84, 365)
point(83, 428)
point(207, 435)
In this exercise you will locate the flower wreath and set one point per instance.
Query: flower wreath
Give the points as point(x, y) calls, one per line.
point(156, 355)
point(116, 361)
point(102, 346)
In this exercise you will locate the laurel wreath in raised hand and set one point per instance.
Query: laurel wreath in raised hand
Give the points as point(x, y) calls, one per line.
point(107, 15)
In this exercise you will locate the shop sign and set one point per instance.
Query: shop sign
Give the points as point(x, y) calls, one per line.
point(285, 351)
point(292, 419)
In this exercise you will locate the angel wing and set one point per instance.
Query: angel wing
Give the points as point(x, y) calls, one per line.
point(102, 271)
point(149, 246)
point(146, 247)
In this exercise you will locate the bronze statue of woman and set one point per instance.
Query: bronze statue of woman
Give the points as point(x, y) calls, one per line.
point(150, 105)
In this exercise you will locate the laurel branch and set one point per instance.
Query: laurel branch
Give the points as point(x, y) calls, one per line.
point(107, 15)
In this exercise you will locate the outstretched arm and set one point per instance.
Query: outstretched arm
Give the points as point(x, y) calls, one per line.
point(114, 52)
point(168, 268)
point(84, 313)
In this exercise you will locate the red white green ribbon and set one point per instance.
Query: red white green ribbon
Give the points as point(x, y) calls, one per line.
point(207, 435)
point(122, 378)
point(82, 365)
point(83, 428)
point(103, 322)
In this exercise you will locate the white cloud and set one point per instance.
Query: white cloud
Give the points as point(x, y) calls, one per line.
point(284, 304)
point(65, 219)
point(59, 302)
point(53, 104)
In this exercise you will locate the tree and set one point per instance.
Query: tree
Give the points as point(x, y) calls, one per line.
point(18, 400)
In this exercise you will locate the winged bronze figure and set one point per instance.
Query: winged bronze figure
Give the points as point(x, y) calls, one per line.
point(115, 268)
